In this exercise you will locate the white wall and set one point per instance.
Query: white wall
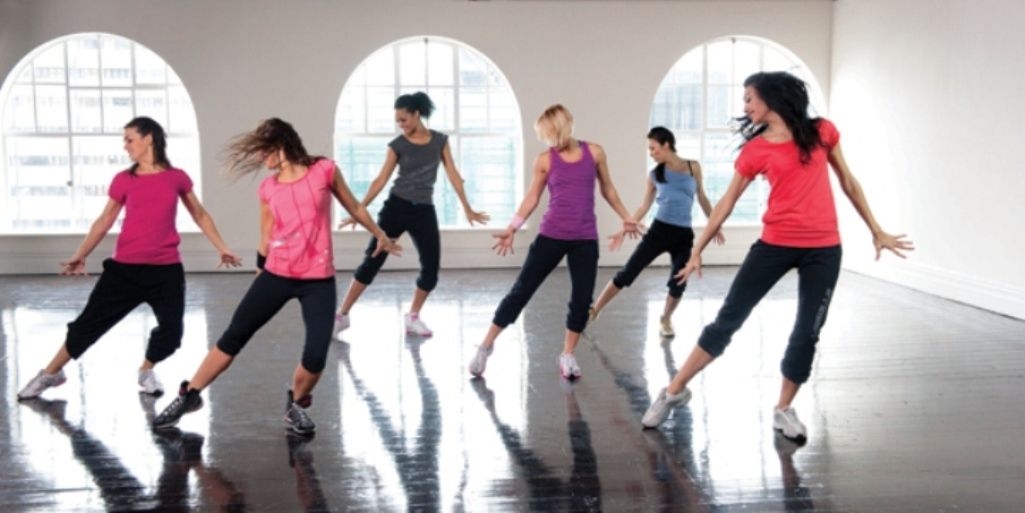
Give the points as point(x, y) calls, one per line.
point(244, 60)
point(929, 96)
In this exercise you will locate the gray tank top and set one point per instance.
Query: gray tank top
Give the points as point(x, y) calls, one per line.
point(418, 167)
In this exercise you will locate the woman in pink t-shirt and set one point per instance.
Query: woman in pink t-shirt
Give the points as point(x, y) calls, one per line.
point(296, 259)
point(793, 151)
point(145, 267)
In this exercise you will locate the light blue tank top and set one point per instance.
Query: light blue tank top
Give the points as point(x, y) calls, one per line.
point(675, 198)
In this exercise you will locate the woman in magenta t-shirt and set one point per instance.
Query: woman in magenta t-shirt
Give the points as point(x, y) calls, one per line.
point(296, 259)
point(793, 151)
point(145, 267)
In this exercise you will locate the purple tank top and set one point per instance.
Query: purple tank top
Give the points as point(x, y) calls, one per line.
point(570, 214)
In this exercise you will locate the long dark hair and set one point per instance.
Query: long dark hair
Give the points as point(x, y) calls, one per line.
point(146, 126)
point(662, 135)
point(246, 152)
point(787, 96)
point(416, 102)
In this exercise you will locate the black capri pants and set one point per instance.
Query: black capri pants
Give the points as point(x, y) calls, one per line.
point(421, 221)
point(660, 238)
point(817, 272)
point(545, 253)
point(265, 298)
point(120, 289)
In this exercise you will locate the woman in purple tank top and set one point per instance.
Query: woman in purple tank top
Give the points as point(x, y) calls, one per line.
point(569, 169)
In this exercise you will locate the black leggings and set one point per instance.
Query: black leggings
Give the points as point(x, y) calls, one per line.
point(817, 272)
point(266, 296)
point(660, 238)
point(120, 289)
point(421, 221)
point(545, 253)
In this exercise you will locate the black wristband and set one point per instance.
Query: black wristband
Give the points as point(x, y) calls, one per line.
point(260, 260)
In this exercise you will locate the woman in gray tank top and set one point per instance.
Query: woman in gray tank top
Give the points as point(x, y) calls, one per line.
point(416, 152)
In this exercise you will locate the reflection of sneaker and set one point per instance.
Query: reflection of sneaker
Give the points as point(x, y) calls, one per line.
point(298, 452)
point(665, 327)
point(341, 324)
point(187, 401)
point(415, 326)
point(480, 360)
point(659, 410)
point(296, 418)
point(785, 447)
point(41, 382)
point(568, 366)
point(786, 422)
point(150, 384)
point(149, 406)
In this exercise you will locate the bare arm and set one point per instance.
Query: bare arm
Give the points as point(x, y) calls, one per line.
point(851, 187)
point(706, 206)
point(530, 201)
point(99, 228)
point(266, 226)
point(649, 198)
point(457, 183)
point(718, 216)
point(358, 211)
point(206, 224)
point(608, 190)
point(391, 160)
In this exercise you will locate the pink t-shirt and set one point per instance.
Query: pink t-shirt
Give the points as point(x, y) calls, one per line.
point(148, 233)
point(300, 241)
point(801, 212)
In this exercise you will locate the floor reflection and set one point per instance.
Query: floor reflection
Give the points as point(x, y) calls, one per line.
point(121, 490)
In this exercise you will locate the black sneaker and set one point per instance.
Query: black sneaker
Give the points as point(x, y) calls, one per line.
point(296, 418)
point(187, 401)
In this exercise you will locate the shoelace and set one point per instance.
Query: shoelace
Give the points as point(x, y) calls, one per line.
point(299, 415)
point(172, 409)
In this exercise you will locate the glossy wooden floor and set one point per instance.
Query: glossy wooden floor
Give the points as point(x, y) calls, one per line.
point(915, 404)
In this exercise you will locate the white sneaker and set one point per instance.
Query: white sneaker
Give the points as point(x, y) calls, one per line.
point(414, 326)
point(149, 383)
point(665, 327)
point(568, 366)
point(41, 382)
point(480, 360)
point(341, 324)
point(659, 410)
point(787, 423)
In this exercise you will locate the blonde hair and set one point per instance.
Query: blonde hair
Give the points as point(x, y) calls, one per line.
point(554, 126)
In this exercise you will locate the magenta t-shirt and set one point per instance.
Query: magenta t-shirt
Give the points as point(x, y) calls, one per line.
point(148, 233)
point(300, 241)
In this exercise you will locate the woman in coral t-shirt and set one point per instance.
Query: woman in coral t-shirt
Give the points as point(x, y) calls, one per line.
point(296, 259)
point(794, 152)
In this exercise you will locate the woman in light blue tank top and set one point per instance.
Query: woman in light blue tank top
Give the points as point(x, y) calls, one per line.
point(569, 169)
point(674, 184)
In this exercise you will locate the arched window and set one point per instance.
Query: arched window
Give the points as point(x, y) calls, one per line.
point(475, 107)
point(701, 95)
point(63, 110)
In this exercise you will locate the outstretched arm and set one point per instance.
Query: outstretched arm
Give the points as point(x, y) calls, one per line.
point(358, 211)
point(706, 206)
point(616, 239)
point(720, 212)
point(880, 239)
point(527, 206)
point(608, 191)
point(99, 228)
point(206, 224)
point(457, 183)
point(391, 160)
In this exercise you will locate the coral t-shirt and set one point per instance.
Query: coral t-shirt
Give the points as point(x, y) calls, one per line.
point(801, 212)
point(300, 242)
point(148, 233)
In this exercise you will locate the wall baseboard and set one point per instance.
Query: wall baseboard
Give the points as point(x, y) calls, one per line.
point(988, 295)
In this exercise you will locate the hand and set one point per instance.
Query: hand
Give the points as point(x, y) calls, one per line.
point(632, 228)
point(693, 265)
point(229, 259)
point(504, 245)
point(384, 244)
point(894, 243)
point(477, 217)
point(348, 221)
point(73, 266)
point(719, 238)
point(616, 240)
